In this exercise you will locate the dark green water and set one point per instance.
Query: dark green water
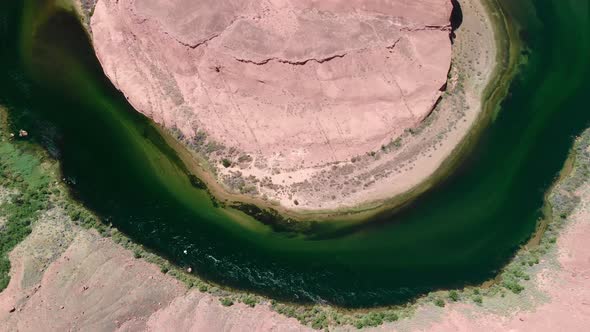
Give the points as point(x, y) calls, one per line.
point(462, 232)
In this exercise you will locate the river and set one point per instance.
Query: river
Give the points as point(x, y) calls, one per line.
point(460, 233)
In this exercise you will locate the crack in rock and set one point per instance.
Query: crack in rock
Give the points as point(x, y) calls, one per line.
point(291, 62)
point(206, 40)
point(392, 46)
point(427, 28)
point(203, 42)
point(304, 62)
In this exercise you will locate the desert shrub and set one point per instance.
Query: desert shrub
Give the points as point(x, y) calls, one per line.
point(249, 300)
point(211, 147)
point(369, 320)
point(249, 189)
point(226, 302)
point(200, 138)
point(245, 158)
point(513, 285)
point(74, 214)
point(390, 316)
point(320, 322)
point(4, 269)
point(136, 254)
point(477, 299)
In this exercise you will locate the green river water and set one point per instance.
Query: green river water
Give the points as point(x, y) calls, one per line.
point(461, 232)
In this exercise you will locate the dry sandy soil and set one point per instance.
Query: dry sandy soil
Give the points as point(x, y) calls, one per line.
point(556, 299)
point(305, 100)
point(66, 278)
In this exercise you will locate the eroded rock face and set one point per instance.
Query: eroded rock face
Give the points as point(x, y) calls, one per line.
point(295, 84)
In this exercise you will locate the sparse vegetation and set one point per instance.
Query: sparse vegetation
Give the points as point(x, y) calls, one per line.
point(211, 147)
point(245, 159)
point(136, 254)
point(226, 302)
point(29, 195)
point(249, 300)
point(512, 278)
point(33, 189)
point(477, 299)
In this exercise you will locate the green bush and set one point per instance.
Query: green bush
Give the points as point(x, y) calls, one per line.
point(320, 322)
point(74, 214)
point(513, 285)
point(226, 302)
point(249, 300)
point(136, 254)
point(390, 316)
point(477, 299)
point(371, 319)
point(4, 269)
point(20, 213)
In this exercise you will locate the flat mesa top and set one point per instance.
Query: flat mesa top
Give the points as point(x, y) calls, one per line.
point(293, 84)
point(315, 80)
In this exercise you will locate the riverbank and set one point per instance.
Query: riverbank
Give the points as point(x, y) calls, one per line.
point(553, 269)
point(65, 259)
point(59, 273)
point(412, 163)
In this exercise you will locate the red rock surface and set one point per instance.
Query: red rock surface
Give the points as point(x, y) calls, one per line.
point(95, 285)
point(293, 83)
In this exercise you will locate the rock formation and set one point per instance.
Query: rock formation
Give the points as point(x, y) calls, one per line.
point(278, 86)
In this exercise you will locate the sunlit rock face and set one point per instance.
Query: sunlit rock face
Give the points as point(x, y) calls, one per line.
point(301, 80)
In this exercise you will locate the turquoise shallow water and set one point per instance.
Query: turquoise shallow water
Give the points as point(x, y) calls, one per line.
point(459, 233)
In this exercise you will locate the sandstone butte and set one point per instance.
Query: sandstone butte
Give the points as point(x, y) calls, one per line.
point(283, 97)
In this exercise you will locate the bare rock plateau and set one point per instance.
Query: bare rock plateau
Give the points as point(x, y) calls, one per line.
point(275, 92)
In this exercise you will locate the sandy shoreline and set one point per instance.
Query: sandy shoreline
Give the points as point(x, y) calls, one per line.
point(397, 172)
